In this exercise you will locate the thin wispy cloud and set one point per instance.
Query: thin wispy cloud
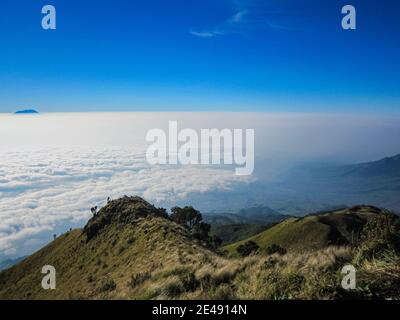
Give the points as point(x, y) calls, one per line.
point(204, 34)
point(227, 26)
point(238, 17)
point(249, 17)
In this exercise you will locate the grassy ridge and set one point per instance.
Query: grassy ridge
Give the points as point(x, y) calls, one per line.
point(314, 232)
point(136, 254)
point(115, 256)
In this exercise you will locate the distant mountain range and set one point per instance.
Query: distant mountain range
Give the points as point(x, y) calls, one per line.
point(318, 189)
point(385, 168)
point(376, 183)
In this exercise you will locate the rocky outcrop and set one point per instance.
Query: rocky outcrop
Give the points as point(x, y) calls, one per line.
point(122, 211)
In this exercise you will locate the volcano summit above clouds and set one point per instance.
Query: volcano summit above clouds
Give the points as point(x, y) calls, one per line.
point(26, 111)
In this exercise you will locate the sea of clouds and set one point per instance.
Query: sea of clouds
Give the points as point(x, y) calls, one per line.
point(55, 167)
point(49, 190)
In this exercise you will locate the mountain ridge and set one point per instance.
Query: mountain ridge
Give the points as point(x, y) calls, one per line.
point(315, 231)
point(113, 246)
point(130, 249)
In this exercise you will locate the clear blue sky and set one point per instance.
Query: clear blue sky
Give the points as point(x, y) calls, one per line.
point(221, 55)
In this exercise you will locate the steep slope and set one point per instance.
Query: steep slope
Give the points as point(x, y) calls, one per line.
point(128, 239)
point(387, 167)
point(132, 250)
point(314, 232)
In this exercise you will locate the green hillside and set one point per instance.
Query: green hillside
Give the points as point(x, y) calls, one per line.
point(128, 238)
point(133, 250)
point(314, 232)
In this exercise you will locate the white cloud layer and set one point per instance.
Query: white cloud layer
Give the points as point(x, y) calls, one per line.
point(55, 167)
point(44, 190)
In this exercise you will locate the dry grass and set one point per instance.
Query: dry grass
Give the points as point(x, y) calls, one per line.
point(291, 276)
point(169, 265)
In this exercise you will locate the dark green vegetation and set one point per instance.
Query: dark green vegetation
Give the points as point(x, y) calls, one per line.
point(247, 248)
point(235, 232)
point(232, 227)
point(133, 250)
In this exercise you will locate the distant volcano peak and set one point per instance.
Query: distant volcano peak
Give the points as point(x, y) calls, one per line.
point(27, 111)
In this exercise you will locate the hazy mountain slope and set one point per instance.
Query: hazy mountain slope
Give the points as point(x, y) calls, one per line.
point(252, 215)
point(376, 183)
point(223, 219)
point(387, 167)
point(314, 232)
point(262, 213)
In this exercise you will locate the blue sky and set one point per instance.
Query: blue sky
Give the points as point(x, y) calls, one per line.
point(208, 55)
